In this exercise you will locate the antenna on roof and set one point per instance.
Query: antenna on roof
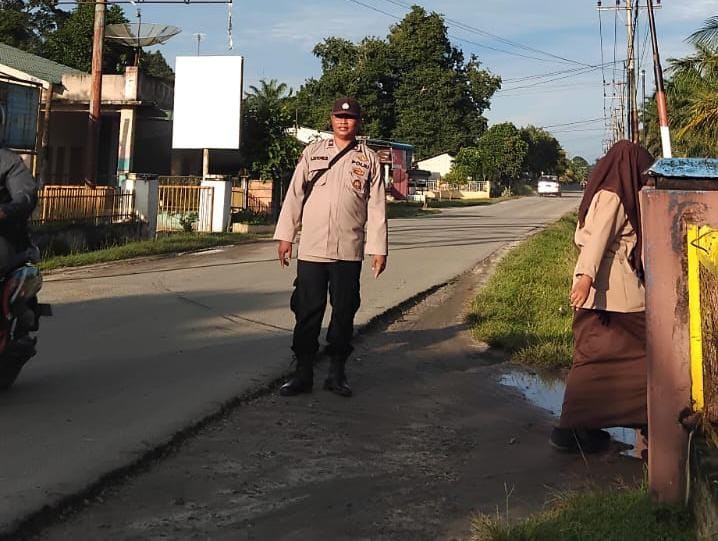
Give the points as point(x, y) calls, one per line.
point(140, 35)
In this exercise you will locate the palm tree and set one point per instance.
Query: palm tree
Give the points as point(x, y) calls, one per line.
point(695, 89)
point(708, 35)
point(692, 92)
point(270, 93)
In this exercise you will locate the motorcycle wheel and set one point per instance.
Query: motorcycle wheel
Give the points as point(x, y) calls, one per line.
point(8, 374)
point(14, 358)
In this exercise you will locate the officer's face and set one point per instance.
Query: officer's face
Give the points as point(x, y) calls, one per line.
point(345, 126)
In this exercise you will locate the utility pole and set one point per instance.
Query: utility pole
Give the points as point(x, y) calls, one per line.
point(633, 131)
point(660, 88)
point(643, 105)
point(93, 123)
point(630, 119)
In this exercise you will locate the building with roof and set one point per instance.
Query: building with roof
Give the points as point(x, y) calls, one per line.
point(135, 128)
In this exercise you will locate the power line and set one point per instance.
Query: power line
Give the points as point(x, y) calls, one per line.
point(459, 38)
point(586, 71)
point(497, 37)
point(588, 121)
point(552, 73)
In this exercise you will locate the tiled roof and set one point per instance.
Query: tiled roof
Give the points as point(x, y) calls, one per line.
point(41, 68)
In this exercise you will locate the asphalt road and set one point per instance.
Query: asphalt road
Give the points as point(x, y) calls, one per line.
point(138, 351)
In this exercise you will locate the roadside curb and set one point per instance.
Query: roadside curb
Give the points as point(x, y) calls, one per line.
point(149, 258)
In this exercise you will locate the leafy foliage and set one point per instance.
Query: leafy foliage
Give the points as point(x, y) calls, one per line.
point(578, 169)
point(71, 43)
point(24, 24)
point(692, 94)
point(544, 151)
point(155, 64)
point(414, 86)
point(267, 150)
point(40, 27)
point(499, 156)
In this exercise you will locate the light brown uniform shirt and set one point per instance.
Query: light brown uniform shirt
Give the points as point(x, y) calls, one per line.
point(606, 241)
point(345, 200)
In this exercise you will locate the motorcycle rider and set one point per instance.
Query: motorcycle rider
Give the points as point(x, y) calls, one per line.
point(18, 197)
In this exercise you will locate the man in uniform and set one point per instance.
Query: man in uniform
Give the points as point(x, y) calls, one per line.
point(335, 194)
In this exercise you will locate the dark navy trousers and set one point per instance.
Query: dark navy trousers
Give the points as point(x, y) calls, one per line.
point(309, 301)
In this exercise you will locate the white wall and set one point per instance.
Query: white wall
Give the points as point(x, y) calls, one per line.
point(438, 165)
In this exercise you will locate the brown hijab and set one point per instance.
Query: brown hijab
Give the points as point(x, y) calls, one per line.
point(621, 171)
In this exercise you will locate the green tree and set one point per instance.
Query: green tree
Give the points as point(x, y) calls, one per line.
point(468, 164)
point(15, 26)
point(544, 151)
point(580, 169)
point(155, 65)
point(503, 152)
point(71, 43)
point(267, 150)
point(25, 24)
point(414, 86)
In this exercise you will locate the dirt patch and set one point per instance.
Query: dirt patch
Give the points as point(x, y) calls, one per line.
point(429, 439)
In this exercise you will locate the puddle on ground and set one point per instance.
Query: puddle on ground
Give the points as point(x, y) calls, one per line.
point(547, 393)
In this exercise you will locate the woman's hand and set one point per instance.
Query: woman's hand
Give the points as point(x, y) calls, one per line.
point(580, 291)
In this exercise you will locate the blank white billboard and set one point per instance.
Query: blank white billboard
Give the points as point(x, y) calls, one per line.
point(208, 102)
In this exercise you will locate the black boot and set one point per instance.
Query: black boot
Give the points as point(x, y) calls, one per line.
point(336, 379)
point(303, 379)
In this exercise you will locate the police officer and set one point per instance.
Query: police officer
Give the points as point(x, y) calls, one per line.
point(337, 197)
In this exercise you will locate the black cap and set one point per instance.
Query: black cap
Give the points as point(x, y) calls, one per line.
point(347, 106)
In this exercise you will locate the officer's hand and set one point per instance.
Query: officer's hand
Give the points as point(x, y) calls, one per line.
point(378, 265)
point(284, 250)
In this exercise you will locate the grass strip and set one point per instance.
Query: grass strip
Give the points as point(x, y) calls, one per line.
point(409, 209)
point(598, 515)
point(179, 242)
point(524, 307)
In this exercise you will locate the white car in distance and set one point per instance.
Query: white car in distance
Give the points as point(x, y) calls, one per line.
point(549, 186)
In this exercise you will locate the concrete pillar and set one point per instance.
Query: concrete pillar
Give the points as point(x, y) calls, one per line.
point(666, 215)
point(126, 147)
point(220, 207)
point(146, 192)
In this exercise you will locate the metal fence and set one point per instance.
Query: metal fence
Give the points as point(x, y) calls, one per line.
point(703, 307)
point(254, 204)
point(176, 180)
point(184, 208)
point(74, 204)
point(471, 186)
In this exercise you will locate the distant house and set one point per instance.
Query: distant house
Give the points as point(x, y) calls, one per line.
point(135, 129)
point(438, 165)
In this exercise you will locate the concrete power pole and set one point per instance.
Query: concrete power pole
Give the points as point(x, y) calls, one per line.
point(93, 123)
point(661, 102)
point(633, 129)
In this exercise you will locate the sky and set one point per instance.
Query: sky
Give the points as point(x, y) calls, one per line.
point(276, 38)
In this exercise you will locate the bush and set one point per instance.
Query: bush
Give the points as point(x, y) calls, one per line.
point(246, 216)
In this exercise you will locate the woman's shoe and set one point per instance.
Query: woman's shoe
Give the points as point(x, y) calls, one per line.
point(570, 440)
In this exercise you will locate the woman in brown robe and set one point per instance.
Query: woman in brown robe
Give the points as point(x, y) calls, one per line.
point(606, 386)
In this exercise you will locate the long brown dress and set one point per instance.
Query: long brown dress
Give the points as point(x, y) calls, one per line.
point(606, 386)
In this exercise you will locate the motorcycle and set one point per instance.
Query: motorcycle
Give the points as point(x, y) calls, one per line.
point(20, 314)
